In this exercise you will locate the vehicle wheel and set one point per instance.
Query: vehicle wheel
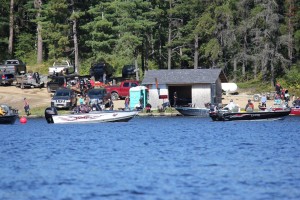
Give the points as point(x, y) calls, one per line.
point(114, 96)
point(49, 89)
point(256, 98)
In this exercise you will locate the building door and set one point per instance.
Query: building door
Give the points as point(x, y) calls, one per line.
point(184, 95)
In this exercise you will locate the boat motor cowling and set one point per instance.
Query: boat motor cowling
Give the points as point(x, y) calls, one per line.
point(49, 112)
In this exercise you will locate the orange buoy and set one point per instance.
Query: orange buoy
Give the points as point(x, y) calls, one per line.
point(23, 120)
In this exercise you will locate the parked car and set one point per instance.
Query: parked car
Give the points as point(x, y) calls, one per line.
point(122, 90)
point(64, 98)
point(128, 71)
point(63, 66)
point(56, 82)
point(98, 96)
point(10, 69)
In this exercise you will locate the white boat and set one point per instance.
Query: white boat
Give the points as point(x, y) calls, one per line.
point(91, 117)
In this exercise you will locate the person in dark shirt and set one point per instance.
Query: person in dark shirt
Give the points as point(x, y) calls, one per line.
point(278, 88)
point(175, 99)
point(249, 107)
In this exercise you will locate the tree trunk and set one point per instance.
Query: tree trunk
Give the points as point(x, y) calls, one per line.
point(272, 75)
point(196, 54)
point(38, 6)
point(170, 37)
point(290, 29)
point(11, 28)
point(75, 46)
point(169, 46)
point(136, 69)
point(234, 69)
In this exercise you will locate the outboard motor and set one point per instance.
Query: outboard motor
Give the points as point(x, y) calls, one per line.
point(48, 114)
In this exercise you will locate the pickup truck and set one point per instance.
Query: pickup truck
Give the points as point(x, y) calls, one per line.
point(10, 69)
point(122, 90)
point(61, 68)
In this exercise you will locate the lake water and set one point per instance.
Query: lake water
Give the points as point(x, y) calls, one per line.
point(151, 158)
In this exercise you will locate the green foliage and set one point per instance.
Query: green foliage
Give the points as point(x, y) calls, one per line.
point(292, 78)
point(25, 46)
point(252, 33)
point(255, 86)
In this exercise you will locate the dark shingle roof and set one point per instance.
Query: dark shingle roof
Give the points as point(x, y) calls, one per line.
point(184, 76)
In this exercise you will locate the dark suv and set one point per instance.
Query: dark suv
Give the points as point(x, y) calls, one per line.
point(128, 71)
point(97, 70)
point(98, 96)
point(64, 98)
point(56, 82)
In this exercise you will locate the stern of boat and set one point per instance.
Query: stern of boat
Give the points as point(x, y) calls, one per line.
point(49, 112)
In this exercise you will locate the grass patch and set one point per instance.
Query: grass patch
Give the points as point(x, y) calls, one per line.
point(255, 86)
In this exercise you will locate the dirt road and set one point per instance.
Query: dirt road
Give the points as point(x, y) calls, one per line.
point(36, 97)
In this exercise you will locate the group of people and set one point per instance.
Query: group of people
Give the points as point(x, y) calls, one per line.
point(282, 95)
point(84, 104)
point(233, 107)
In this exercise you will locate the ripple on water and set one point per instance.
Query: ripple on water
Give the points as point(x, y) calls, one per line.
point(151, 158)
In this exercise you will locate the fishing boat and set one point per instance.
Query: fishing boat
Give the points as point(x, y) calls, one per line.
point(222, 115)
point(8, 115)
point(93, 116)
point(295, 111)
point(193, 111)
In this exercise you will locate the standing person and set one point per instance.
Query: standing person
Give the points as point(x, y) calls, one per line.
point(81, 84)
point(110, 104)
point(286, 97)
point(278, 88)
point(127, 103)
point(92, 83)
point(263, 100)
point(26, 107)
point(80, 100)
point(175, 99)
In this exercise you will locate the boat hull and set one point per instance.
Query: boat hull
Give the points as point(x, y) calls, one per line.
point(8, 119)
point(94, 117)
point(295, 111)
point(263, 115)
point(191, 111)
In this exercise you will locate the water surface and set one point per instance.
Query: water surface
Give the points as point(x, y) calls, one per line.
point(151, 158)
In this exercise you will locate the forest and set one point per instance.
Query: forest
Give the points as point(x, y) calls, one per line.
point(248, 39)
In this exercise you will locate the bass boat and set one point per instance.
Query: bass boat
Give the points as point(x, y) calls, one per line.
point(8, 115)
point(193, 111)
point(221, 115)
point(93, 116)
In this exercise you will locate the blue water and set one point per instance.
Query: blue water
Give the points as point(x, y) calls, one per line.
point(151, 158)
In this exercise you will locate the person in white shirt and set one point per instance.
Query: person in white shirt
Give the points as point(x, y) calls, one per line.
point(232, 107)
point(263, 100)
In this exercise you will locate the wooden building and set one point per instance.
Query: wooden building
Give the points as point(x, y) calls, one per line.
point(194, 87)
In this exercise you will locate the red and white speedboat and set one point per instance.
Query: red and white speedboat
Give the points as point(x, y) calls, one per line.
point(52, 116)
point(295, 111)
